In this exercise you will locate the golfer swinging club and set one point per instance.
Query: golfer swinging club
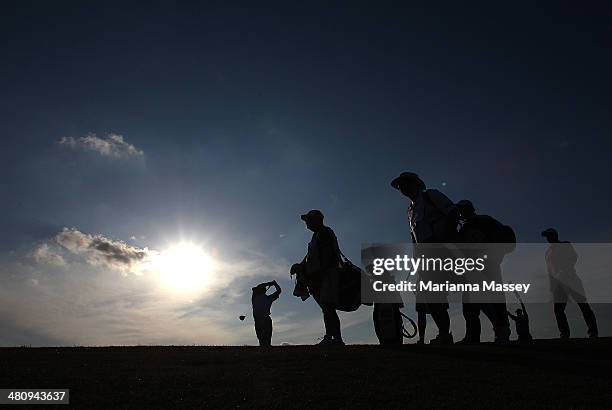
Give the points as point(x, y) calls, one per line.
point(261, 310)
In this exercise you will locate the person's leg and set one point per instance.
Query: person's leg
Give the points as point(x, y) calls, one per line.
point(471, 315)
point(504, 322)
point(268, 331)
point(495, 308)
point(437, 302)
point(421, 323)
point(589, 318)
point(332, 322)
point(497, 314)
point(564, 330)
point(317, 297)
point(260, 331)
point(439, 313)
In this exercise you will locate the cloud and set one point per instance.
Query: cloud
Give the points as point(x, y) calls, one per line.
point(99, 250)
point(45, 255)
point(111, 146)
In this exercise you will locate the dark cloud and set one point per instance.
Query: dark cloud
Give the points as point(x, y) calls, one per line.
point(99, 250)
point(118, 252)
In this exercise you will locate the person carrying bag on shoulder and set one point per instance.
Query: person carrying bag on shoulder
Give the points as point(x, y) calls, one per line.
point(318, 274)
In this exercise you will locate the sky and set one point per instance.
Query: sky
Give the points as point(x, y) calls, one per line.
point(129, 129)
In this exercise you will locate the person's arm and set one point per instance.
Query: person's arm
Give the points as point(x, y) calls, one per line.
point(277, 290)
point(549, 268)
point(328, 249)
point(450, 211)
point(572, 255)
point(298, 269)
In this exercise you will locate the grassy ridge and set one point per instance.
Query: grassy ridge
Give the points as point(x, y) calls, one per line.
point(545, 374)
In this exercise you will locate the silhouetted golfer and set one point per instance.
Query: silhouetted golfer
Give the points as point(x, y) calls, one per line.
point(319, 271)
point(521, 320)
point(561, 260)
point(431, 219)
point(261, 310)
point(484, 229)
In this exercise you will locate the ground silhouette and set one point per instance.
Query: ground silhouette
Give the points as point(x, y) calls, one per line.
point(546, 373)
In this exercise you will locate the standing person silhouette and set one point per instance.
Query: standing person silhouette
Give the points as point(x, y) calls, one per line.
point(483, 229)
point(319, 268)
point(561, 260)
point(261, 311)
point(432, 219)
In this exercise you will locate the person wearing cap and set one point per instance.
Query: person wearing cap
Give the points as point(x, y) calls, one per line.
point(319, 269)
point(261, 310)
point(561, 258)
point(431, 216)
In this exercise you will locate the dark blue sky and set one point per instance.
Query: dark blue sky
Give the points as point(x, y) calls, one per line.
point(248, 115)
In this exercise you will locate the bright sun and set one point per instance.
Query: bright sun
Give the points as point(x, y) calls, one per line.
point(184, 267)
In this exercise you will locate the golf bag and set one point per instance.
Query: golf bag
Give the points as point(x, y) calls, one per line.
point(349, 286)
point(487, 229)
point(389, 324)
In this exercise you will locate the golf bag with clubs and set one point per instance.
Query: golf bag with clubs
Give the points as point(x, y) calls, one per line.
point(389, 324)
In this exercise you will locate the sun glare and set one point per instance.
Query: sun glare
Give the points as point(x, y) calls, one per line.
point(184, 267)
